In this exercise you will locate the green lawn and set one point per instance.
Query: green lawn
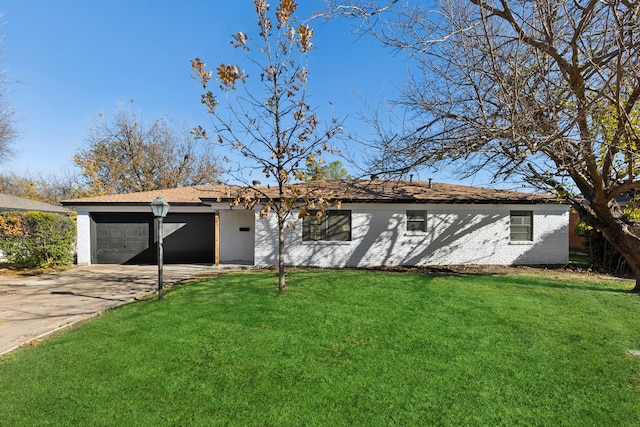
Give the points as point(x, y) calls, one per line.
point(342, 348)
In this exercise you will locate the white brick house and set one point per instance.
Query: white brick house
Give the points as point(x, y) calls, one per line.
point(455, 234)
point(379, 224)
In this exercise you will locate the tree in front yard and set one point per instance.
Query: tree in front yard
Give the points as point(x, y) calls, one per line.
point(268, 120)
point(547, 92)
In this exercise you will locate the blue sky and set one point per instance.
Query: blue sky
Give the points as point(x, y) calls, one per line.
point(74, 59)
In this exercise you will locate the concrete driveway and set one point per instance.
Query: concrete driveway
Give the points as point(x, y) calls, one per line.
point(33, 307)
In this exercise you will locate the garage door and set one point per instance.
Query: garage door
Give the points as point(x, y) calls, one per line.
point(130, 238)
point(122, 239)
point(188, 239)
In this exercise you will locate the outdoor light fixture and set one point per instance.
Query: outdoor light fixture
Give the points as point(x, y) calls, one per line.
point(160, 208)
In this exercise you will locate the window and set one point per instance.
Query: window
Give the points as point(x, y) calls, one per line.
point(333, 226)
point(416, 221)
point(521, 226)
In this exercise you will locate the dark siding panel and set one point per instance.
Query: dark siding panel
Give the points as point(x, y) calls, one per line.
point(188, 238)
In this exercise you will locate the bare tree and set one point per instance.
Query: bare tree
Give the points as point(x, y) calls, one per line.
point(269, 122)
point(127, 154)
point(7, 127)
point(546, 91)
point(51, 188)
point(7, 119)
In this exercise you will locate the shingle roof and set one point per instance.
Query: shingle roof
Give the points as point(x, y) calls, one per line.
point(345, 190)
point(14, 203)
point(421, 191)
point(183, 195)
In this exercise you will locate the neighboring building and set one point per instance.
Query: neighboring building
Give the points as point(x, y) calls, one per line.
point(14, 203)
point(576, 241)
point(380, 223)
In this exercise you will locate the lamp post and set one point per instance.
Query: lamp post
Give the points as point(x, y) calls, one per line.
point(160, 208)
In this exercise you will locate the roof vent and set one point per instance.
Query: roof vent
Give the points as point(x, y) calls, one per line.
point(411, 178)
point(430, 182)
point(255, 183)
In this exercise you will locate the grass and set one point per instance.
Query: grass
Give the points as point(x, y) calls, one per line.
point(580, 260)
point(343, 348)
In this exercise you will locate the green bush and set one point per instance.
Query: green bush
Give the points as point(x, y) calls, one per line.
point(601, 253)
point(37, 239)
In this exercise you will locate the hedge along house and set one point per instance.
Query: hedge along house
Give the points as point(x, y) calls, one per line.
point(10, 203)
point(380, 223)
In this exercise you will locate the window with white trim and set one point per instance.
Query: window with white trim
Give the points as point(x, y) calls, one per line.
point(521, 226)
point(333, 226)
point(416, 220)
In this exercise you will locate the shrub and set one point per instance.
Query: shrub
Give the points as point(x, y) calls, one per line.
point(602, 254)
point(37, 239)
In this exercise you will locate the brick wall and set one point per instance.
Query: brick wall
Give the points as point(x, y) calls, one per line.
point(237, 237)
point(456, 234)
point(83, 239)
point(576, 243)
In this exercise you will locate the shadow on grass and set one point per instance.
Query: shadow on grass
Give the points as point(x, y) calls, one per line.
point(568, 284)
point(534, 275)
point(237, 283)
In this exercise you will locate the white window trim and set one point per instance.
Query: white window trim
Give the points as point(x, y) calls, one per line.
point(416, 232)
point(532, 230)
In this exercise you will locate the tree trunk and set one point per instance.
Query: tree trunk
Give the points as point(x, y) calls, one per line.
point(621, 236)
point(282, 284)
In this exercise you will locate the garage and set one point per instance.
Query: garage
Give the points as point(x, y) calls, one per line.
point(188, 238)
point(129, 238)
